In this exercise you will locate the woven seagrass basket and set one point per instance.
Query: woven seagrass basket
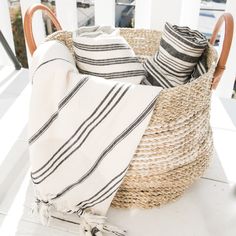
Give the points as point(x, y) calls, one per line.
point(177, 145)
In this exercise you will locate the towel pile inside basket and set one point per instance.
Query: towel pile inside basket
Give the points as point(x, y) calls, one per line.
point(102, 52)
point(84, 127)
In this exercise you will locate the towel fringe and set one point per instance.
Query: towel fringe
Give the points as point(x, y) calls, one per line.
point(99, 225)
point(44, 211)
point(90, 224)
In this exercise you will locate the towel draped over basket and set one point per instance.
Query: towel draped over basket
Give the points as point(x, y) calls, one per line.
point(83, 132)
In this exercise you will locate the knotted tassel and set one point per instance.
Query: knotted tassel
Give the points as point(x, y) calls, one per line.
point(95, 225)
point(90, 224)
point(44, 211)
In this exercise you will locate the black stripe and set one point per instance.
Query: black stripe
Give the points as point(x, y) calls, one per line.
point(175, 34)
point(79, 128)
point(162, 79)
point(172, 61)
point(183, 46)
point(68, 221)
point(75, 143)
point(159, 77)
point(63, 160)
point(98, 48)
point(83, 207)
point(66, 99)
point(203, 68)
point(116, 233)
point(164, 60)
point(110, 147)
point(172, 51)
point(90, 206)
point(54, 116)
point(195, 40)
point(102, 62)
point(100, 45)
point(103, 50)
point(199, 69)
point(92, 114)
point(153, 78)
point(44, 63)
point(152, 82)
point(87, 201)
point(171, 71)
point(194, 34)
point(171, 79)
point(115, 75)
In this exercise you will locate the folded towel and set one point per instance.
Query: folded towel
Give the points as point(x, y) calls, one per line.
point(101, 51)
point(179, 53)
point(83, 132)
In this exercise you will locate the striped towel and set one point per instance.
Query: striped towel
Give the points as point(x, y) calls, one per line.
point(177, 59)
point(83, 133)
point(200, 69)
point(101, 51)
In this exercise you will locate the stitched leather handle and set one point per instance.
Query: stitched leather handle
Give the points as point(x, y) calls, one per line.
point(28, 24)
point(226, 18)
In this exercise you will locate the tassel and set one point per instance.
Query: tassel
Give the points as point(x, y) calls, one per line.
point(44, 211)
point(90, 224)
point(113, 229)
point(35, 207)
point(85, 228)
point(95, 225)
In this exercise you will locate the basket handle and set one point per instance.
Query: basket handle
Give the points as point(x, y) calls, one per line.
point(28, 24)
point(227, 18)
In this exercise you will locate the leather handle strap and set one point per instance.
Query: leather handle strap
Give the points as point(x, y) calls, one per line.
point(226, 18)
point(28, 24)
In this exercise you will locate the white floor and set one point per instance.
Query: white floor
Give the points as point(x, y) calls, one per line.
point(208, 208)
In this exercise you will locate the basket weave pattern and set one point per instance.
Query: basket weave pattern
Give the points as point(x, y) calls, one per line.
point(177, 144)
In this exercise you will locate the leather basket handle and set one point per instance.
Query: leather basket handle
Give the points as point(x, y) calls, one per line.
point(226, 18)
point(28, 24)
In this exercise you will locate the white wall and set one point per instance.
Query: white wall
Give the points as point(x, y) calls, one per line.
point(143, 14)
point(190, 13)
point(67, 14)
point(162, 11)
point(104, 12)
point(180, 12)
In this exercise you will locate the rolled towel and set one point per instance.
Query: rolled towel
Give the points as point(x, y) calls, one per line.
point(176, 61)
point(101, 51)
point(200, 69)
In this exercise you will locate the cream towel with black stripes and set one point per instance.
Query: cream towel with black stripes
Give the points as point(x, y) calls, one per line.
point(178, 59)
point(83, 133)
point(101, 51)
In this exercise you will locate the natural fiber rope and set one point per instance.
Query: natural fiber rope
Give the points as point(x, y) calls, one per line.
point(177, 144)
